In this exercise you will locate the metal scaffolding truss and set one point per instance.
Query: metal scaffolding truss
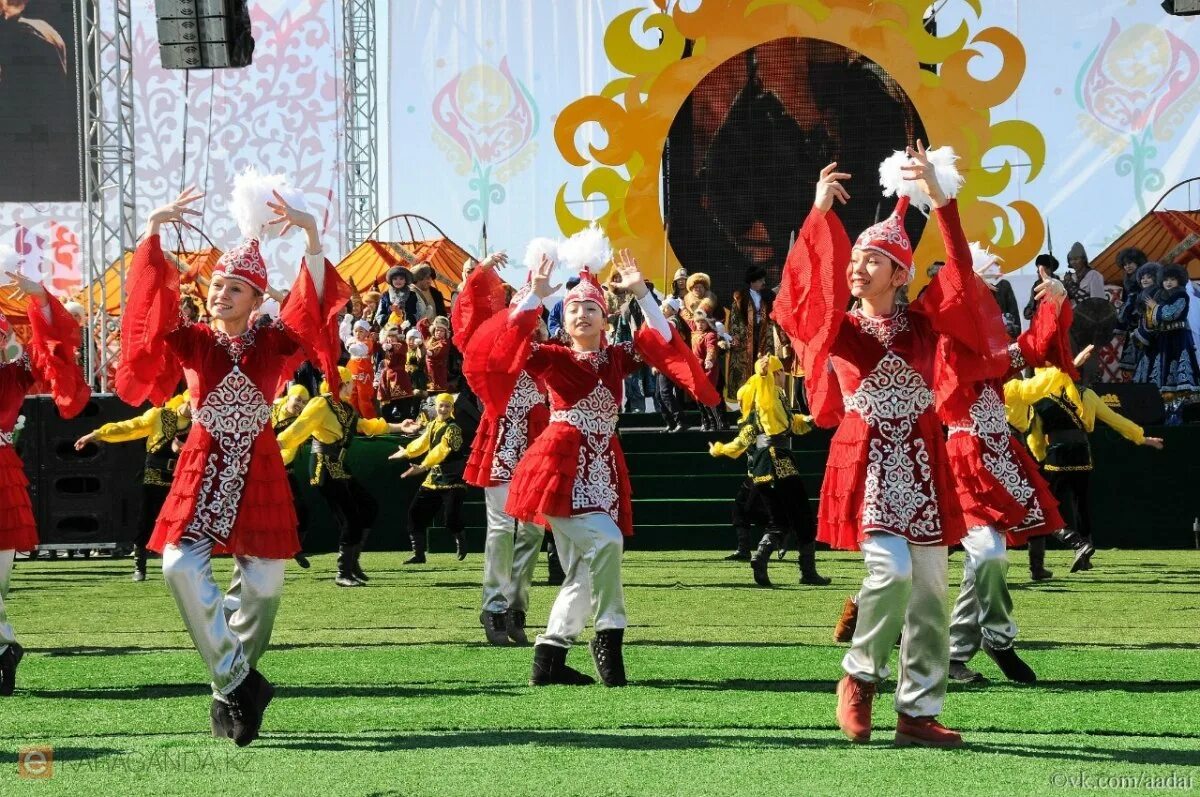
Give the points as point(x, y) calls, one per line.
point(106, 122)
point(360, 193)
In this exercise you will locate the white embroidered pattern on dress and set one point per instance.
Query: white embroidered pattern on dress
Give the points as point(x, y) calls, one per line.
point(990, 425)
point(235, 346)
point(512, 429)
point(595, 484)
point(6, 439)
point(898, 492)
point(1016, 360)
point(883, 328)
point(234, 413)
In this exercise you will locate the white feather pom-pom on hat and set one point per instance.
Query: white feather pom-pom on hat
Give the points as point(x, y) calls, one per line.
point(252, 191)
point(945, 172)
point(539, 247)
point(985, 264)
point(588, 248)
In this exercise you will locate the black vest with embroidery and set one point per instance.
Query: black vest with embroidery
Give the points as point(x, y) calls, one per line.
point(328, 460)
point(1067, 441)
point(160, 458)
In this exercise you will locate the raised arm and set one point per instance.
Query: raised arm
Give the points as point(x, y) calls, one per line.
point(53, 345)
point(481, 298)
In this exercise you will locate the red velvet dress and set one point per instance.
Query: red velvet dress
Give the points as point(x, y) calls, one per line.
point(998, 481)
point(501, 438)
point(230, 483)
point(875, 380)
point(575, 466)
point(437, 363)
point(394, 382)
point(704, 346)
point(50, 360)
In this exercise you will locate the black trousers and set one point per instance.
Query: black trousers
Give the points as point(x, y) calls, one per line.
point(354, 509)
point(782, 507)
point(667, 393)
point(153, 498)
point(424, 508)
point(299, 506)
point(1072, 488)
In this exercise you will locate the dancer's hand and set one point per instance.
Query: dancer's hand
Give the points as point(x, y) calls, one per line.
point(82, 442)
point(1153, 442)
point(631, 275)
point(1050, 289)
point(173, 211)
point(415, 470)
point(829, 188)
point(921, 172)
point(540, 281)
point(1083, 356)
point(401, 454)
point(291, 217)
point(25, 286)
point(495, 260)
point(409, 426)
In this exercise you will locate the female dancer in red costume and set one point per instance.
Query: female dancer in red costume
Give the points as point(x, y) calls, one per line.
point(574, 474)
point(230, 493)
point(49, 359)
point(888, 489)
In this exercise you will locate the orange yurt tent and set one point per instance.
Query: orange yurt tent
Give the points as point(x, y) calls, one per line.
point(1166, 236)
point(106, 292)
point(367, 265)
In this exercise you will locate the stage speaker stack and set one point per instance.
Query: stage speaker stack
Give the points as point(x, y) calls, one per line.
point(88, 498)
point(204, 34)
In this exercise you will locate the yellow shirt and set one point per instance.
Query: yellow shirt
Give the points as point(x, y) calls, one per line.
point(317, 420)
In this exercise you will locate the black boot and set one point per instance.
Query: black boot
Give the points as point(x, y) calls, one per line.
point(302, 560)
point(460, 545)
point(516, 627)
point(610, 661)
point(1013, 667)
point(808, 567)
point(139, 563)
point(345, 568)
point(1037, 560)
point(494, 627)
point(1082, 545)
point(418, 546)
point(555, 575)
point(761, 559)
point(9, 660)
point(356, 569)
point(550, 668)
point(961, 673)
point(241, 716)
point(742, 554)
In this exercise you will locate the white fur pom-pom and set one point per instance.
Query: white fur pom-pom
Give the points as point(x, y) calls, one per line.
point(9, 258)
point(945, 172)
point(588, 248)
point(985, 263)
point(251, 193)
point(357, 349)
point(539, 247)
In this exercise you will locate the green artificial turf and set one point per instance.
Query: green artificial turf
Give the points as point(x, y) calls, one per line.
point(388, 690)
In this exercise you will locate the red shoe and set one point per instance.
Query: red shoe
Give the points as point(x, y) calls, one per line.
point(854, 708)
point(924, 732)
point(844, 632)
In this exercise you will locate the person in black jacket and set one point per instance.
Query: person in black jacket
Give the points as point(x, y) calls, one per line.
point(400, 294)
point(1050, 264)
point(427, 294)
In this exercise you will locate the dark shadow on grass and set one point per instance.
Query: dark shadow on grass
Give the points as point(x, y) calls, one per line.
point(740, 685)
point(1111, 645)
point(152, 691)
point(1088, 753)
point(515, 738)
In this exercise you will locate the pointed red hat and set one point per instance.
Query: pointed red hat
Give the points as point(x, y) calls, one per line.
point(888, 237)
point(588, 290)
point(244, 262)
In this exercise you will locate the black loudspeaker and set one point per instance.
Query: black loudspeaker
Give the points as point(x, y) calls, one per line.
point(1137, 401)
point(204, 34)
point(90, 497)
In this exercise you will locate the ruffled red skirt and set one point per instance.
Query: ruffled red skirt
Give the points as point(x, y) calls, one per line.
point(18, 531)
point(839, 515)
point(478, 472)
point(545, 477)
point(266, 519)
point(987, 502)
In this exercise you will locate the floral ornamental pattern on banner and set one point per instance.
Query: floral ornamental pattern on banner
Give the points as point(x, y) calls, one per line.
point(595, 416)
point(898, 493)
point(234, 413)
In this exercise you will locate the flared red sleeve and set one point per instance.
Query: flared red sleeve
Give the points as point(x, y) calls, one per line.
point(811, 307)
point(1048, 339)
point(148, 369)
point(309, 316)
point(671, 355)
point(53, 346)
point(481, 298)
point(957, 302)
point(497, 353)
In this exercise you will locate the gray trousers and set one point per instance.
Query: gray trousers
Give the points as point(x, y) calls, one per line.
point(983, 612)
